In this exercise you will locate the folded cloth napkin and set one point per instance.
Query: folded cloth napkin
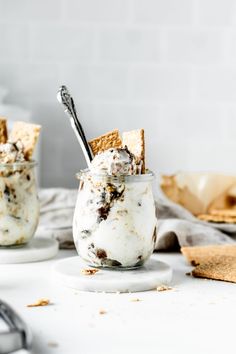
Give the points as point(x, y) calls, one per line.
point(56, 214)
point(176, 225)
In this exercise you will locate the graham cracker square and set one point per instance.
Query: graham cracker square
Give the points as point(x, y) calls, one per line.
point(200, 254)
point(105, 142)
point(217, 268)
point(28, 133)
point(135, 142)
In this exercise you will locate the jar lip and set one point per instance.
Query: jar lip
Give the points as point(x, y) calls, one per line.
point(31, 163)
point(148, 176)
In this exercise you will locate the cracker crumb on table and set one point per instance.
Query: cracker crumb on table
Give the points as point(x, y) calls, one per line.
point(102, 312)
point(135, 300)
point(164, 288)
point(40, 302)
point(89, 271)
point(52, 344)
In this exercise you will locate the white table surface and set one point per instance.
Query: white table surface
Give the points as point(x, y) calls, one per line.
point(198, 316)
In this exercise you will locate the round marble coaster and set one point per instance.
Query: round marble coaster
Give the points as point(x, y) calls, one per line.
point(152, 274)
point(38, 249)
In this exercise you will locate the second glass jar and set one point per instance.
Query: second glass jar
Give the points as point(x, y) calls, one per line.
point(19, 204)
point(114, 221)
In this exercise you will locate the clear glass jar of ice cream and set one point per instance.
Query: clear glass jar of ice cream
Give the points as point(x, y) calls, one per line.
point(19, 204)
point(114, 221)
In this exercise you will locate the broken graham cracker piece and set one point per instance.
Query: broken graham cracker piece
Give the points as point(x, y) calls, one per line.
point(105, 142)
point(134, 140)
point(217, 268)
point(28, 133)
point(199, 254)
point(3, 130)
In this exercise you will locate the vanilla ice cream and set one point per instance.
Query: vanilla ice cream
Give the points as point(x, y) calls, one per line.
point(114, 162)
point(12, 152)
point(19, 205)
point(114, 221)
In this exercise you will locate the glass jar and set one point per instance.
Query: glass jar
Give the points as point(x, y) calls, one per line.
point(19, 204)
point(114, 221)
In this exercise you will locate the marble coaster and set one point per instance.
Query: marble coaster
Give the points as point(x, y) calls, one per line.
point(154, 273)
point(38, 249)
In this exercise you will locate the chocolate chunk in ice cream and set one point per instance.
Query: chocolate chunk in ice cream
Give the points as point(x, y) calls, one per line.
point(12, 152)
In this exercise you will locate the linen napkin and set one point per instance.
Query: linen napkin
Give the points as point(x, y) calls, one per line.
point(175, 227)
point(56, 215)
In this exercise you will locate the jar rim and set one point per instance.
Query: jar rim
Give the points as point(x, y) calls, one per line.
point(31, 163)
point(148, 176)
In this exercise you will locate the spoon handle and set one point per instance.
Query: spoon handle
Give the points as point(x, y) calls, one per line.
point(65, 98)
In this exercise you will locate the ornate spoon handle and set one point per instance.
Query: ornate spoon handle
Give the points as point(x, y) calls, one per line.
point(65, 98)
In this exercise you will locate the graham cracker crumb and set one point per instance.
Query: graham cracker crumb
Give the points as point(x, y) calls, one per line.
point(102, 312)
point(90, 271)
point(164, 288)
point(40, 302)
point(135, 300)
point(53, 344)
point(105, 142)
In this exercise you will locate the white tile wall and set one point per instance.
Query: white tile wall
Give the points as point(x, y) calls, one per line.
point(129, 45)
point(96, 11)
point(217, 12)
point(195, 46)
point(166, 65)
point(160, 83)
point(168, 12)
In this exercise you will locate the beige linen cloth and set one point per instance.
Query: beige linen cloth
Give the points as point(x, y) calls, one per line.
point(56, 215)
point(176, 226)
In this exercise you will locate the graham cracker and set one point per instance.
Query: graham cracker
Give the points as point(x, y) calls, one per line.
point(105, 142)
point(28, 133)
point(200, 254)
point(135, 142)
point(224, 212)
point(218, 268)
point(217, 218)
point(3, 130)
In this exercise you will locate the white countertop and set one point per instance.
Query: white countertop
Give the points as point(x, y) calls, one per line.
point(198, 316)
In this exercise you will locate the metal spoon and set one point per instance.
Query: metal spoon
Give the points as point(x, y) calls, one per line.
point(64, 97)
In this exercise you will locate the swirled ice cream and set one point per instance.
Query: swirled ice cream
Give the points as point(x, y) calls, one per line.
point(114, 221)
point(114, 162)
point(19, 205)
point(12, 152)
